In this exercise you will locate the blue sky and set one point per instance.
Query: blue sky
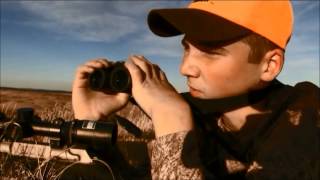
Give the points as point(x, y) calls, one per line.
point(42, 42)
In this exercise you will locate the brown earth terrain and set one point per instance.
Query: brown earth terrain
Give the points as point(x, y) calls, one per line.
point(37, 99)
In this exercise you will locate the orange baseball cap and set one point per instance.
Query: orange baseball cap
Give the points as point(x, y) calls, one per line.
point(224, 20)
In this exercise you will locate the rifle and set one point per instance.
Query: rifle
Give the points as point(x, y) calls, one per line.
point(81, 142)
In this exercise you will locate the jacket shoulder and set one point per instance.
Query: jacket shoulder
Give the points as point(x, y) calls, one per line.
point(307, 86)
point(307, 94)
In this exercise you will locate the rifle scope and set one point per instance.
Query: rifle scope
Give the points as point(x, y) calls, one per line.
point(93, 134)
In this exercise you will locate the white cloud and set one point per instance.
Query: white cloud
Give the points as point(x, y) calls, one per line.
point(303, 7)
point(152, 45)
point(81, 20)
point(141, 8)
point(101, 21)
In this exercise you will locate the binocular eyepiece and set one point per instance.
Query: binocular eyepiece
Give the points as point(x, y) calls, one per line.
point(115, 78)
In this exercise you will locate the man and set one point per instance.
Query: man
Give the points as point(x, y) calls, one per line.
point(237, 121)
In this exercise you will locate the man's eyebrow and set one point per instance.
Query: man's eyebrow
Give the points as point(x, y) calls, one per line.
point(206, 46)
point(211, 47)
point(219, 49)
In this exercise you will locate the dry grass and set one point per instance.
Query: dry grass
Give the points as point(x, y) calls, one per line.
point(52, 105)
point(23, 167)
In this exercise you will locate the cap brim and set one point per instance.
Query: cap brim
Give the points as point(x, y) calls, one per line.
point(194, 23)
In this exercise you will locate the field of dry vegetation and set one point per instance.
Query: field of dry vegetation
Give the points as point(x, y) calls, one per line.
point(49, 105)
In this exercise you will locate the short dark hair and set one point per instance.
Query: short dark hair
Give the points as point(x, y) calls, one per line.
point(259, 46)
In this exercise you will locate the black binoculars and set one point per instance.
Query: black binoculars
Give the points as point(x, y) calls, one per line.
point(115, 78)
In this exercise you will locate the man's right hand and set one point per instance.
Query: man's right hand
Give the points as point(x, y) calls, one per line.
point(94, 105)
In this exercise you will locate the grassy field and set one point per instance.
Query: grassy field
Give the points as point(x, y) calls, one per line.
point(49, 105)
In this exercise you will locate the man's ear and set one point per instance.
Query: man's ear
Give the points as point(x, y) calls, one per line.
point(272, 64)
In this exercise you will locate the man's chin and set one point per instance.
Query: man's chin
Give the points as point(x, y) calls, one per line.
point(197, 93)
point(200, 94)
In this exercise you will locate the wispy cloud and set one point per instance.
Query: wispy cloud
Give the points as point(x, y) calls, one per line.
point(302, 54)
point(101, 21)
point(152, 45)
point(121, 26)
point(304, 7)
point(81, 20)
point(306, 27)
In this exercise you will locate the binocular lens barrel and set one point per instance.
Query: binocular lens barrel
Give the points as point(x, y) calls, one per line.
point(115, 79)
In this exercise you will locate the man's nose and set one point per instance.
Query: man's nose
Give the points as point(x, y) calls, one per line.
point(189, 68)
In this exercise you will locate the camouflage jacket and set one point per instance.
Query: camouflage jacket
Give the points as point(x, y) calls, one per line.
point(286, 145)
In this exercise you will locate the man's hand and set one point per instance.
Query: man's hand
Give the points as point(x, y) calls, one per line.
point(94, 105)
point(169, 112)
